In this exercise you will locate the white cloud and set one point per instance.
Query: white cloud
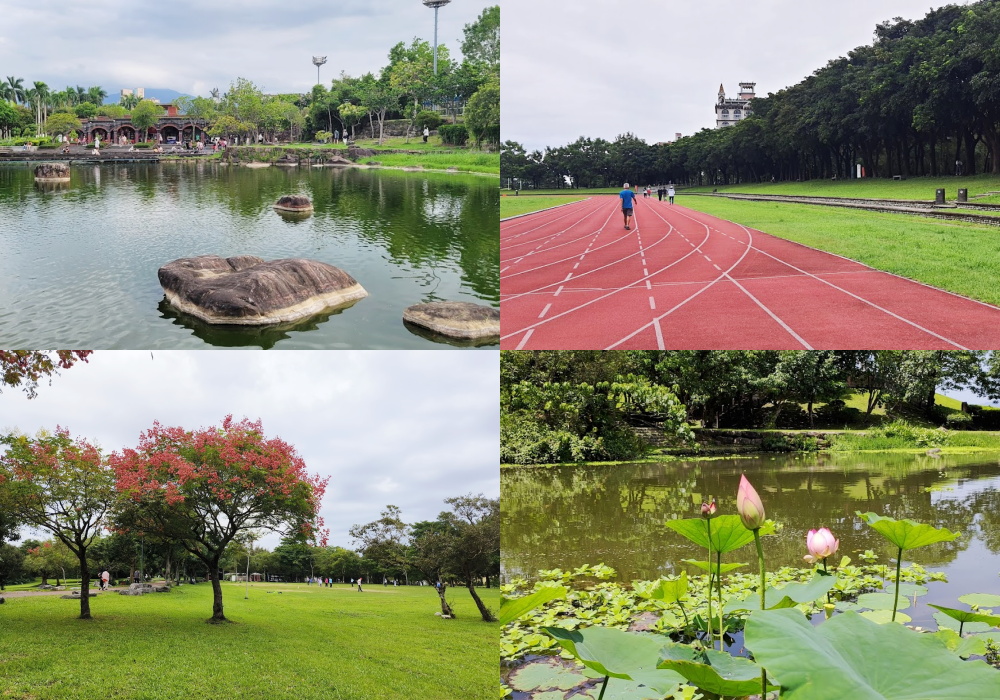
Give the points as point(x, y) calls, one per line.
point(407, 428)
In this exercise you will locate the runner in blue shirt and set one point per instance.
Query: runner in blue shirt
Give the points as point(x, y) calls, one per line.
point(627, 196)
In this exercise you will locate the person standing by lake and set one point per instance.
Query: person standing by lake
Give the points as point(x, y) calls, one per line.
point(628, 204)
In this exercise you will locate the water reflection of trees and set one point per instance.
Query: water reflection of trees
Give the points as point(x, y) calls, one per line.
point(568, 516)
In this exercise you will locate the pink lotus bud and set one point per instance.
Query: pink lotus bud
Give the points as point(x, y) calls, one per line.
point(821, 544)
point(748, 505)
point(708, 509)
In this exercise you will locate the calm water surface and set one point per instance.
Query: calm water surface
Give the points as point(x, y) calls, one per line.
point(78, 262)
point(570, 516)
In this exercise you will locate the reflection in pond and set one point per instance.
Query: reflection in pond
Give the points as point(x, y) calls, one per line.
point(456, 342)
point(79, 261)
point(568, 516)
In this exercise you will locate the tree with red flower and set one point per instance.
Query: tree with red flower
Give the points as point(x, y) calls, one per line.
point(62, 485)
point(26, 367)
point(202, 488)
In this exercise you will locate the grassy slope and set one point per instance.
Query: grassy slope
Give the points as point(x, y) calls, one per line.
point(307, 643)
point(437, 155)
point(914, 188)
point(960, 257)
point(512, 206)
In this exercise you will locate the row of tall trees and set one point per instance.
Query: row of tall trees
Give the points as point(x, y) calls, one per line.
point(553, 402)
point(921, 97)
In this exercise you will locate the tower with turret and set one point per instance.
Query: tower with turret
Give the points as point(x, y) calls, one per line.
point(729, 110)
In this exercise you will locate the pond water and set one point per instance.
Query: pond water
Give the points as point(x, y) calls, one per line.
point(78, 262)
point(569, 516)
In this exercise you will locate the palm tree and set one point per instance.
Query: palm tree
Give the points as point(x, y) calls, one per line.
point(5, 93)
point(81, 95)
point(16, 88)
point(129, 101)
point(215, 95)
point(96, 95)
point(42, 95)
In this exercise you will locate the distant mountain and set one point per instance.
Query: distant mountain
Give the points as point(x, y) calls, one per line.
point(162, 94)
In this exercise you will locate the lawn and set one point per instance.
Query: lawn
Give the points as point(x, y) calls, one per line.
point(913, 188)
point(512, 206)
point(434, 154)
point(957, 256)
point(288, 641)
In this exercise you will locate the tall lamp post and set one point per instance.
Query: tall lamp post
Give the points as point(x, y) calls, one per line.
point(437, 5)
point(318, 61)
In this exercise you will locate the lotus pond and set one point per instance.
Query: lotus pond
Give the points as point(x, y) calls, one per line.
point(79, 261)
point(628, 615)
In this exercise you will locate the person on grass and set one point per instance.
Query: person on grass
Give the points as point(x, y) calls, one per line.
point(628, 203)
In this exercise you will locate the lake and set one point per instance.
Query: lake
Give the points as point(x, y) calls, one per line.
point(78, 262)
point(569, 516)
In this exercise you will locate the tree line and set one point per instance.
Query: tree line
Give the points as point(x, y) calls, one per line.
point(582, 405)
point(923, 96)
point(398, 90)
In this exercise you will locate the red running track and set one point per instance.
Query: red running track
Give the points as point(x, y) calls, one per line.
point(573, 278)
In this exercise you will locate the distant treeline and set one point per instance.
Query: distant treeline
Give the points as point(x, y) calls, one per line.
point(924, 95)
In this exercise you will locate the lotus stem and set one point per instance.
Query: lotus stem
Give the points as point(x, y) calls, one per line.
point(604, 687)
point(961, 625)
point(711, 638)
point(718, 583)
point(825, 571)
point(684, 613)
point(899, 561)
point(763, 583)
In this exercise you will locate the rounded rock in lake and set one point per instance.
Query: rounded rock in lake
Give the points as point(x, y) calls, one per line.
point(456, 319)
point(52, 172)
point(247, 291)
point(294, 203)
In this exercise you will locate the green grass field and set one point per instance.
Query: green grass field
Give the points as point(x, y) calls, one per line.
point(913, 188)
point(957, 256)
point(464, 161)
point(512, 206)
point(305, 643)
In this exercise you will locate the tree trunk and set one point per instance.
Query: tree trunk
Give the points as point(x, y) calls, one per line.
point(445, 608)
point(84, 586)
point(217, 615)
point(483, 610)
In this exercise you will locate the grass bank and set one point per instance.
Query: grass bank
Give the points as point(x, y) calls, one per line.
point(960, 257)
point(512, 206)
point(916, 188)
point(303, 643)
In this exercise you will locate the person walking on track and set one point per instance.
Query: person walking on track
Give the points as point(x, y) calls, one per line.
point(670, 194)
point(628, 203)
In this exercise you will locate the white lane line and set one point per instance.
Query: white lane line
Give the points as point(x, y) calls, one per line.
point(576, 266)
point(659, 335)
point(505, 269)
point(652, 303)
point(645, 272)
point(524, 340)
point(716, 266)
point(584, 255)
point(568, 277)
point(648, 285)
point(708, 258)
point(557, 291)
point(545, 311)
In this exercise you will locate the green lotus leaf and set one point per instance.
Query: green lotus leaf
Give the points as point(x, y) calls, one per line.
point(945, 621)
point(884, 617)
point(968, 615)
point(844, 605)
point(848, 656)
point(705, 566)
point(964, 647)
point(609, 651)
point(787, 597)
point(513, 609)
point(881, 601)
point(728, 532)
point(907, 534)
point(667, 591)
point(981, 600)
point(907, 589)
point(712, 671)
point(549, 674)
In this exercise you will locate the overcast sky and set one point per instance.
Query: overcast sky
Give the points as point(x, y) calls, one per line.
point(654, 68)
point(408, 428)
point(192, 46)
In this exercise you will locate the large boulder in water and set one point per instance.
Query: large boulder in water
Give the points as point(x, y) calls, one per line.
point(52, 172)
point(455, 319)
point(246, 290)
point(296, 203)
point(353, 152)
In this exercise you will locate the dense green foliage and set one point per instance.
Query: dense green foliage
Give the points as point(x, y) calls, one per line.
point(921, 97)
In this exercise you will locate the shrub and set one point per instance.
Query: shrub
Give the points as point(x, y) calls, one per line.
point(902, 432)
point(431, 120)
point(985, 417)
point(958, 421)
point(779, 442)
point(85, 110)
point(454, 134)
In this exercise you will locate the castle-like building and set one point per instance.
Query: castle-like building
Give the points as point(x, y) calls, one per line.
point(729, 111)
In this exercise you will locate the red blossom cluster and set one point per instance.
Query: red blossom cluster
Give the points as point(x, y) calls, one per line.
point(28, 366)
point(230, 463)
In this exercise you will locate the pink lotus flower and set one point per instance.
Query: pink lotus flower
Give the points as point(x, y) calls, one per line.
point(749, 506)
point(822, 544)
point(708, 509)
